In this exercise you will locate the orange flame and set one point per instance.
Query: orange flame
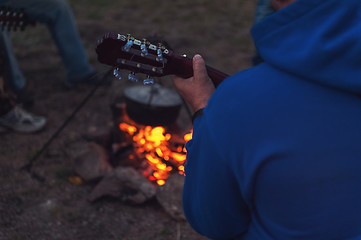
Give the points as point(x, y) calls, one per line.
point(188, 136)
point(154, 144)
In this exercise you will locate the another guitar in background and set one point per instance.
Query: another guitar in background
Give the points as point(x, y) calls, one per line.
point(142, 56)
point(13, 19)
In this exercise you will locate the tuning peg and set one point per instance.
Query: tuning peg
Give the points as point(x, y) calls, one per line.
point(132, 77)
point(160, 55)
point(22, 25)
point(117, 73)
point(148, 81)
point(128, 45)
point(143, 48)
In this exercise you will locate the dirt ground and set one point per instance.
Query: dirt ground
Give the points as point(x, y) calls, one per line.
point(58, 209)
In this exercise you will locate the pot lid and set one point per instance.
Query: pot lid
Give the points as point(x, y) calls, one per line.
point(154, 95)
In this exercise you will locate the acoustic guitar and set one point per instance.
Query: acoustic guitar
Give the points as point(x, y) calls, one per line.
point(149, 58)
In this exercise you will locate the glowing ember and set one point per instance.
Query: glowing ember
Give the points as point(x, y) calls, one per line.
point(153, 144)
point(188, 136)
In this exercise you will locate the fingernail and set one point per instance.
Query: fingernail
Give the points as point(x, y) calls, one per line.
point(197, 56)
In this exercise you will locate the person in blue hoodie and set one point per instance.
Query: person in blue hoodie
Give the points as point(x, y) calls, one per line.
point(276, 150)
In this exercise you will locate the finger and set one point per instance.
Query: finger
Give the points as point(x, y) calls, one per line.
point(199, 68)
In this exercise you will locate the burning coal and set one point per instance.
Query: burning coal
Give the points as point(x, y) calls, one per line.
point(164, 155)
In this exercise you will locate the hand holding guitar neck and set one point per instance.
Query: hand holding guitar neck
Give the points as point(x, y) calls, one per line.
point(196, 90)
point(142, 56)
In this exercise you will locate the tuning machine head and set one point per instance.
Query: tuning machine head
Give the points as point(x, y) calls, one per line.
point(159, 53)
point(132, 77)
point(117, 73)
point(148, 81)
point(143, 48)
point(129, 43)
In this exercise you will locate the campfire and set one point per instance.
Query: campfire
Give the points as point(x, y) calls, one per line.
point(156, 152)
point(133, 161)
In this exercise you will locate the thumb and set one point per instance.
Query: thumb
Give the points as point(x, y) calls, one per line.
point(199, 68)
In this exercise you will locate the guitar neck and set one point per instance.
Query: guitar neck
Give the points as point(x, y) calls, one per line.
point(152, 59)
point(183, 67)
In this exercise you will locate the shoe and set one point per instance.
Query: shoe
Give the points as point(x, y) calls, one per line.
point(21, 121)
point(91, 79)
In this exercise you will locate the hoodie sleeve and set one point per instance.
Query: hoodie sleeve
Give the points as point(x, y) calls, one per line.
point(212, 199)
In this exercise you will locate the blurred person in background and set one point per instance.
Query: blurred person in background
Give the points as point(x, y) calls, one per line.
point(264, 8)
point(15, 118)
point(57, 16)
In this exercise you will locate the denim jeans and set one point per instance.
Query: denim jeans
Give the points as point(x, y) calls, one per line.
point(58, 17)
point(264, 8)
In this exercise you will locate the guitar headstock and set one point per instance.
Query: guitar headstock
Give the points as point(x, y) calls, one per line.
point(13, 19)
point(138, 56)
point(147, 57)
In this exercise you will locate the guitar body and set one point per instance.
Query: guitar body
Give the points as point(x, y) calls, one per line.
point(126, 52)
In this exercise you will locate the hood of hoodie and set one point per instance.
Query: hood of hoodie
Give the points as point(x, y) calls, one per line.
point(317, 40)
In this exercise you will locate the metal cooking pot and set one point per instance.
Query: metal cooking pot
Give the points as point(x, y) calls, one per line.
point(152, 105)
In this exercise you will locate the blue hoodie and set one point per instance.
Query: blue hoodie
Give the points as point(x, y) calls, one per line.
point(277, 153)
